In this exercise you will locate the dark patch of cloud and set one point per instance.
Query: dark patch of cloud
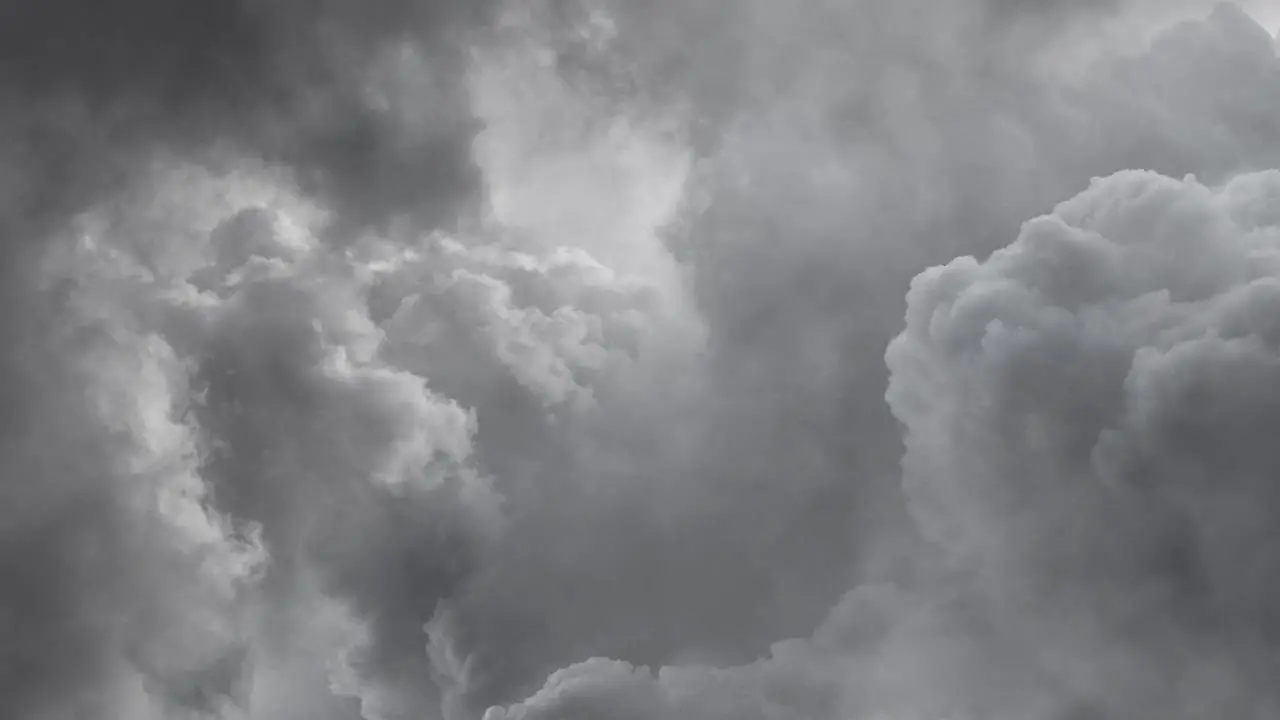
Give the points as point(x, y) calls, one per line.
point(291, 82)
point(146, 49)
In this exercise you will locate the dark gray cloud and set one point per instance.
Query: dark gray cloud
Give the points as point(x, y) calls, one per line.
point(154, 51)
point(528, 360)
point(303, 83)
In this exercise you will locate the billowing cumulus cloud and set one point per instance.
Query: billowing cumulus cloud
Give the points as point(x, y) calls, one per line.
point(967, 647)
point(1085, 417)
point(251, 467)
point(247, 370)
point(1086, 414)
point(529, 361)
point(244, 376)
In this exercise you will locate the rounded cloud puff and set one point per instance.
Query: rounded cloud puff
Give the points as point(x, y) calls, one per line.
point(1088, 416)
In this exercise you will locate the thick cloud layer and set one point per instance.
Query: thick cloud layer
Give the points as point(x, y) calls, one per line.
point(463, 360)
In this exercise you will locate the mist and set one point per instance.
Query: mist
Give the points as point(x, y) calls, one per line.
point(569, 359)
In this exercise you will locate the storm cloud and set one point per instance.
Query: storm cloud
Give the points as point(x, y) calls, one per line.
point(551, 360)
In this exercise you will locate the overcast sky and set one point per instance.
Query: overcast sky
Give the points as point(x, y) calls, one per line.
point(607, 360)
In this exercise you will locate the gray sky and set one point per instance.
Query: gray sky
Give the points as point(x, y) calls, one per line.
point(586, 359)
